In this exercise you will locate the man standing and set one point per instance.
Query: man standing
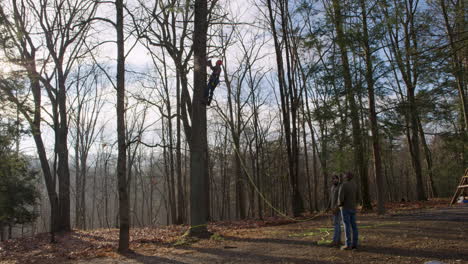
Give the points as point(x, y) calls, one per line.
point(347, 197)
point(334, 202)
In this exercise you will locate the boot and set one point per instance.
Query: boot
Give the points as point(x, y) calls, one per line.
point(335, 244)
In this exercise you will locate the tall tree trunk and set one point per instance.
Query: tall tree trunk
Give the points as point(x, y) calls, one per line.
point(172, 185)
point(372, 113)
point(297, 201)
point(50, 183)
point(233, 120)
point(198, 140)
point(180, 187)
point(83, 170)
point(314, 150)
point(238, 172)
point(359, 160)
point(428, 155)
point(258, 158)
point(414, 143)
point(408, 62)
point(167, 177)
point(289, 102)
point(35, 123)
point(235, 129)
point(79, 195)
point(124, 205)
point(78, 211)
point(306, 162)
point(62, 148)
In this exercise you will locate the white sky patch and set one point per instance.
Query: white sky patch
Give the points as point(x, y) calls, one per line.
point(139, 64)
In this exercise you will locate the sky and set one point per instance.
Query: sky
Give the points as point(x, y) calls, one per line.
point(139, 60)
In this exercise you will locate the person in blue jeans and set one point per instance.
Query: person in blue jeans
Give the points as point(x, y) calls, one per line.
point(334, 191)
point(347, 197)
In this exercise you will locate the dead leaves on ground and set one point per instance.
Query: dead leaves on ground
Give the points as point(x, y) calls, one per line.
point(409, 207)
point(83, 244)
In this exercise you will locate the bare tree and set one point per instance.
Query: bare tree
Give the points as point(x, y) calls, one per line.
point(336, 13)
point(365, 42)
point(289, 94)
point(403, 45)
point(63, 35)
point(166, 25)
point(86, 108)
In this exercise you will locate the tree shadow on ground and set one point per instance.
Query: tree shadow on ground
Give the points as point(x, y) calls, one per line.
point(450, 214)
point(406, 252)
point(39, 249)
point(416, 232)
point(414, 252)
point(275, 240)
point(151, 259)
point(233, 256)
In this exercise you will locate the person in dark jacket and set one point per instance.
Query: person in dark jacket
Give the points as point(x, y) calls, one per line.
point(347, 202)
point(334, 202)
point(213, 81)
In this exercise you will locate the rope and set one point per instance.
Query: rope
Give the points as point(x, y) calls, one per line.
point(257, 190)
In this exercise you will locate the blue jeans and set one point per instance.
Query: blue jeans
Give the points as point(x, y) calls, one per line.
point(349, 222)
point(337, 227)
point(212, 83)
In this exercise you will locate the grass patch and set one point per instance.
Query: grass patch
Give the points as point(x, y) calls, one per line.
point(311, 233)
point(323, 242)
point(216, 237)
point(325, 229)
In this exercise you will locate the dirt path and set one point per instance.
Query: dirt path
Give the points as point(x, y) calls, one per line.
point(438, 234)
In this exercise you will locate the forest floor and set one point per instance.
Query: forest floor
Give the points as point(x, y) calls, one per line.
point(409, 233)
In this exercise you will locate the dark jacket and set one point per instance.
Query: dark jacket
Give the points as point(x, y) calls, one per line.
point(347, 195)
point(216, 70)
point(334, 198)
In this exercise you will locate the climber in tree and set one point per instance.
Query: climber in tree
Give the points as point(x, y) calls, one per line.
point(213, 82)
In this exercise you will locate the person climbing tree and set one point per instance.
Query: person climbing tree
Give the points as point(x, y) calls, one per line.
point(213, 82)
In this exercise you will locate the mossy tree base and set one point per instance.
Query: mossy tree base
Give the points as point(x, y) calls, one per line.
point(198, 232)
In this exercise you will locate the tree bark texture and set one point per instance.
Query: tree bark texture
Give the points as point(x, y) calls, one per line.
point(124, 205)
point(198, 140)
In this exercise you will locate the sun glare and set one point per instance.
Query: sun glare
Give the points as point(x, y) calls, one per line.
point(4, 68)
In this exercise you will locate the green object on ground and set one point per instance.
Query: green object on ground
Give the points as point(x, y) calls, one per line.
point(310, 233)
point(217, 237)
point(324, 242)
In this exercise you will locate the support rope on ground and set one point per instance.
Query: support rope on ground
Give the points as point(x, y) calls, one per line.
point(257, 190)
